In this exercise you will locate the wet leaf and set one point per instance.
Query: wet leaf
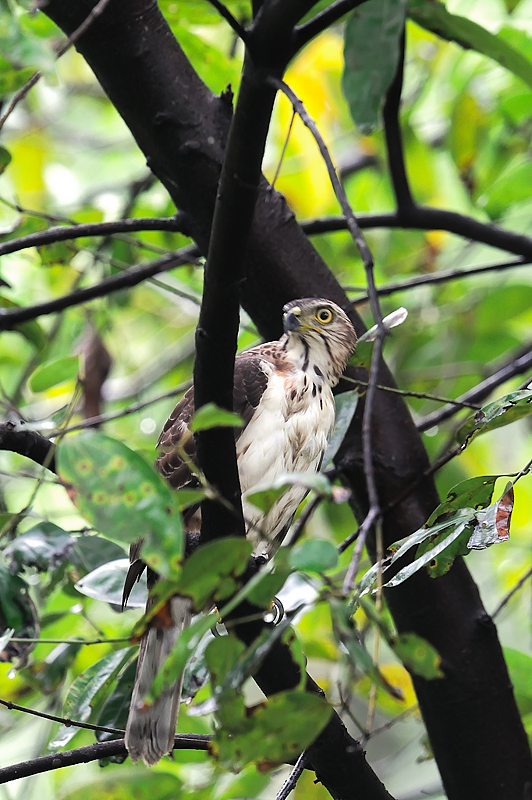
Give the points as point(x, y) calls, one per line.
point(123, 497)
point(48, 375)
point(371, 55)
point(493, 523)
point(210, 416)
point(106, 583)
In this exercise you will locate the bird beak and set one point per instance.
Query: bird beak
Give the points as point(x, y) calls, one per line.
point(291, 320)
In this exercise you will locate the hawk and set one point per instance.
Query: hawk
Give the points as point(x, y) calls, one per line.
point(283, 392)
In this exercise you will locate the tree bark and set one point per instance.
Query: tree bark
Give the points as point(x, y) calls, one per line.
point(471, 716)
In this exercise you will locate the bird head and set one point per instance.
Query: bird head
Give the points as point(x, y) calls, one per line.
point(325, 328)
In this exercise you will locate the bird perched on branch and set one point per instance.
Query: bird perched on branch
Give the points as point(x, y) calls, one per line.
point(283, 392)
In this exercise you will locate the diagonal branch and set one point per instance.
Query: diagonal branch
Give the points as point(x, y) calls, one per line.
point(11, 317)
point(324, 19)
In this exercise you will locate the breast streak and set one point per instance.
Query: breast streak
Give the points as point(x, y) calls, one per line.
point(286, 434)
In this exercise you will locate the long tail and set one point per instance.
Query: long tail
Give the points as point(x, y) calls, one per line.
point(150, 731)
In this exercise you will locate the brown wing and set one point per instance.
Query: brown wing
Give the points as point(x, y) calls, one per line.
point(249, 385)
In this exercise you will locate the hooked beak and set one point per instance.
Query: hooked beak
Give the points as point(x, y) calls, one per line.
point(291, 320)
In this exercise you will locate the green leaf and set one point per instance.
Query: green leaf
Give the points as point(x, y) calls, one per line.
point(345, 404)
point(264, 496)
point(210, 416)
point(82, 695)
point(12, 79)
point(314, 555)
point(5, 159)
point(472, 493)
point(520, 668)
point(434, 17)
point(43, 547)
point(92, 551)
point(221, 656)
point(212, 571)
point(501, 412)
point(123, 497)
point(106, 583)
point(272, 733)
point(371, 54)
point(54, 372)
point(54, 670)
point(418, 655)
point(31, 330)
point(128, 784)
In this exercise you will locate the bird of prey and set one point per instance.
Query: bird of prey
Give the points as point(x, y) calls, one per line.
point(283, 392)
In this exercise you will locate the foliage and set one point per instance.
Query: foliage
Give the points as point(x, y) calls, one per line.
point(68, 158)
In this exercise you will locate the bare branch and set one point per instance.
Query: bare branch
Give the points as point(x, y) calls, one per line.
point(175, 224)
point(516, 366)
point(234, 23)
point(323, 20)
point(92, 752)
point(53, 718)
point(10, 318)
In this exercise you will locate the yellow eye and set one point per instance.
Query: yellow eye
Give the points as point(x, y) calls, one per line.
point(324, 315)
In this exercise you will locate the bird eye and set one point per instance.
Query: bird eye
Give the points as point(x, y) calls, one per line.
point(324, 315)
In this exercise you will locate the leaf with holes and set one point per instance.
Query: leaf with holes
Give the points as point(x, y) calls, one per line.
point(493, 523)
point(271, 733)
point(123, 497)
point(501, 412)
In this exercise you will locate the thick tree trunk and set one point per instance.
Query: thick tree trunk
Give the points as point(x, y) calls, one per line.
point(181, 127)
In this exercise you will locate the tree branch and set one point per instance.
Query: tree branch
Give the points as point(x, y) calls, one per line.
point(11, 317)
point(323, 20)
point(92, 752)
point(175, 224)
point(517, 365)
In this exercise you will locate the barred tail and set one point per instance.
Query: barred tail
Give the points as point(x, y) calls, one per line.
point(150, 731)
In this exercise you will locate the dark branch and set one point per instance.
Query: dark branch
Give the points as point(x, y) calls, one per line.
point(92, 752)
point(425, 218)
point(323, 20)
point(10, 318)
point(517, 365)
point(234, 23)
point(176, 224)
point(26, 442)
point(393, 135)
point(445, 276)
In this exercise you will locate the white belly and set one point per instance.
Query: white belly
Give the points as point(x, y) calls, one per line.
point(285, 435)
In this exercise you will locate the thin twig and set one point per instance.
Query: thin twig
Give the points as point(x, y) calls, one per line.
point(68, 723)
point(290, 783)
point(339, 191)
point(10, 318)
point(479, 392)
point(437, 398)
point(71, 641)
point(234, 23)
point(436, 278)
point(519, 585)
point(80, 30)
point(323, 20)
point(93, 752)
